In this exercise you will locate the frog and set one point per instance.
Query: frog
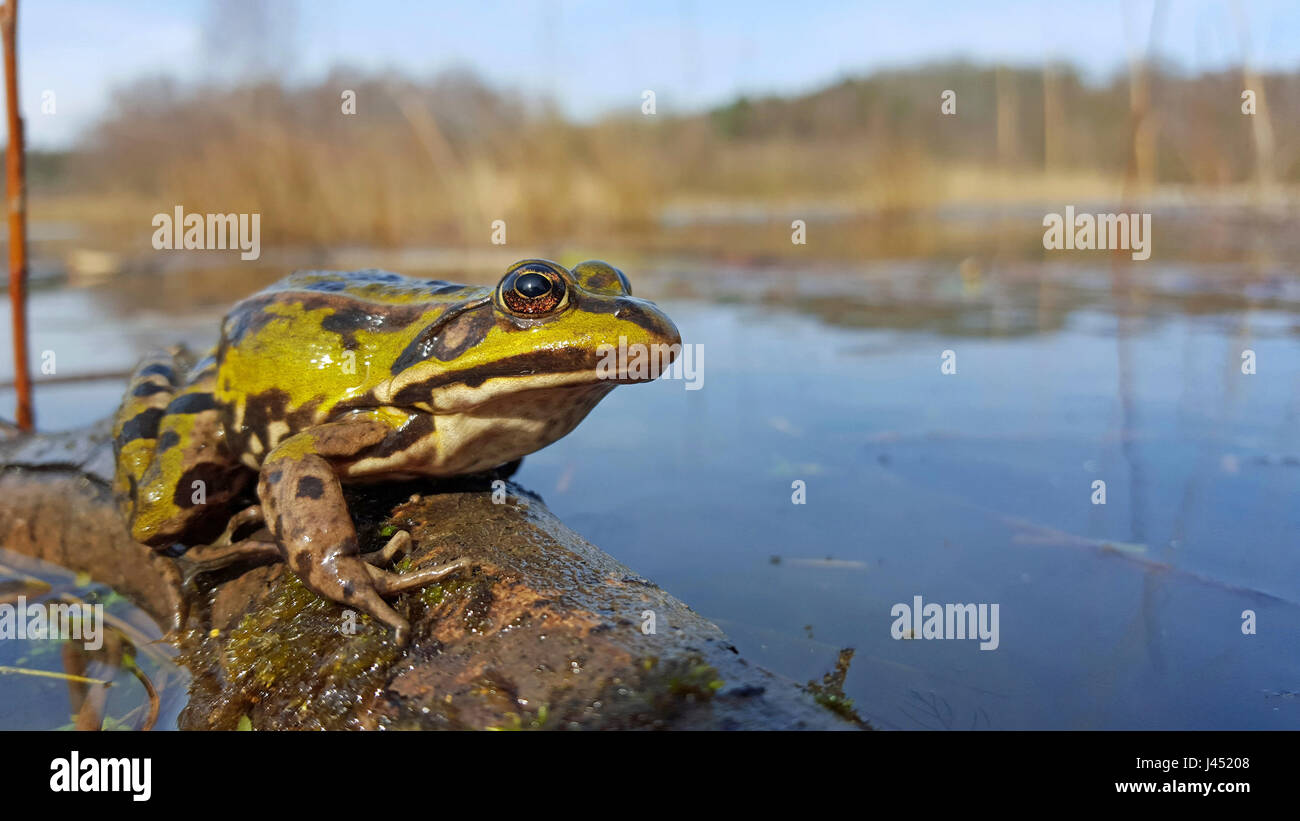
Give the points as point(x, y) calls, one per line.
point(331, 378)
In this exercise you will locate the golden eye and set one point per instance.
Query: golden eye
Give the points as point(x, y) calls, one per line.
point(532, 291)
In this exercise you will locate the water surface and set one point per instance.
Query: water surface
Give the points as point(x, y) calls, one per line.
point(974, 487)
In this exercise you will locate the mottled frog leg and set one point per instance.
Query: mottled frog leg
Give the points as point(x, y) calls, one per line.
point(180, 475)
point(135, 425)
point(306, 513)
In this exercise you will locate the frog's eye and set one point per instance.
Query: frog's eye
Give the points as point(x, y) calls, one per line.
point(532, 290)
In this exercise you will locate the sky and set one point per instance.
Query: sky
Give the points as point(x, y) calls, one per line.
point(594, 57)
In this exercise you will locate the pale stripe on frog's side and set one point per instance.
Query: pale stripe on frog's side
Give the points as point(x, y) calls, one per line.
point(446, 379)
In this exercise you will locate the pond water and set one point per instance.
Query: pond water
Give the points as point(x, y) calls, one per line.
point(977, 486)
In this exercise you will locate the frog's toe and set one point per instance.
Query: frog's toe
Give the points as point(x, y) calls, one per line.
point(390, 584)
point(396, 546)
point(207, 558)
point(250, 515)
point(368, 599)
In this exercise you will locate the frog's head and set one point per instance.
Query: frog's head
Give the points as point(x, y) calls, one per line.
point(568, 335)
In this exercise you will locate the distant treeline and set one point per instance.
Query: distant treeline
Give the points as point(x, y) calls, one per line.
point(438, 161)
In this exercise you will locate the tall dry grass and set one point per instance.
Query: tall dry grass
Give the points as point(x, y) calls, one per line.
point(438, 161)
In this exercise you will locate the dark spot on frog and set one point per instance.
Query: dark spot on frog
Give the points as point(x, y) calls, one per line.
point(458, 329)
point(463, 332)
point(309, 487)
point(419, 426)
point(149, 389)
point(158, 369)
point(144, 425)
point(349, 590)
point(274, 477)
point(215, 478)
point(245, 318)
point(347, 321)
point(196, 402)
point(168, 440)
point(349, 314)
point(199, 374)
point(260, 410)
point(263, 409)
point(302, 565)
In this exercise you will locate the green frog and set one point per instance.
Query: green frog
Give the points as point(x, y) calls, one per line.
point(327, 378)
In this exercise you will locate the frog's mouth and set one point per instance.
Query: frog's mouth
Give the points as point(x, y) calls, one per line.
point(460, 397)
point(433, 390)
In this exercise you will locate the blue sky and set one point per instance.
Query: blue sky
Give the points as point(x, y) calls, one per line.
point(596, 56)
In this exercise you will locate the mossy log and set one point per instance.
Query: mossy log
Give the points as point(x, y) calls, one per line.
point(544, 631)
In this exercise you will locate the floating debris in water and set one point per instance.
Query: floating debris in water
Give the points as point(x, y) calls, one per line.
point(842, 564)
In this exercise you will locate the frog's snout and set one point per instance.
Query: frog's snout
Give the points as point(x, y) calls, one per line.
point(647, 340)
point(650, 322)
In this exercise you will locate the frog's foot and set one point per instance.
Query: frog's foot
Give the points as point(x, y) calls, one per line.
point(308, 517)
point(249, 515)
point(397, 546)
point(384, 583)
point(207, 558)
point(351, 582)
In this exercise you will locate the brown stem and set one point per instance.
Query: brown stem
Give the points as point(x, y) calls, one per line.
point(16, 194)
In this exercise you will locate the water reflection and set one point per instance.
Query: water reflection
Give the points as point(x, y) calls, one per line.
point(107, 672)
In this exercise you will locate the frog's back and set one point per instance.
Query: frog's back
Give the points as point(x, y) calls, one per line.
point(293, 353)
point(343, 309)
point(374, 286)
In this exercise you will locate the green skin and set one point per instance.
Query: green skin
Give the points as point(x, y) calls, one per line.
point(327, 377)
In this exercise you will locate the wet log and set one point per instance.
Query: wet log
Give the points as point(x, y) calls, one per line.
point(545, 631)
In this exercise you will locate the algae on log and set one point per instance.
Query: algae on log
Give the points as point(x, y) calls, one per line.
point(543, 631)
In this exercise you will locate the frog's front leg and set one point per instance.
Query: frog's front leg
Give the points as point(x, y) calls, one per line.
point(302, 501)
